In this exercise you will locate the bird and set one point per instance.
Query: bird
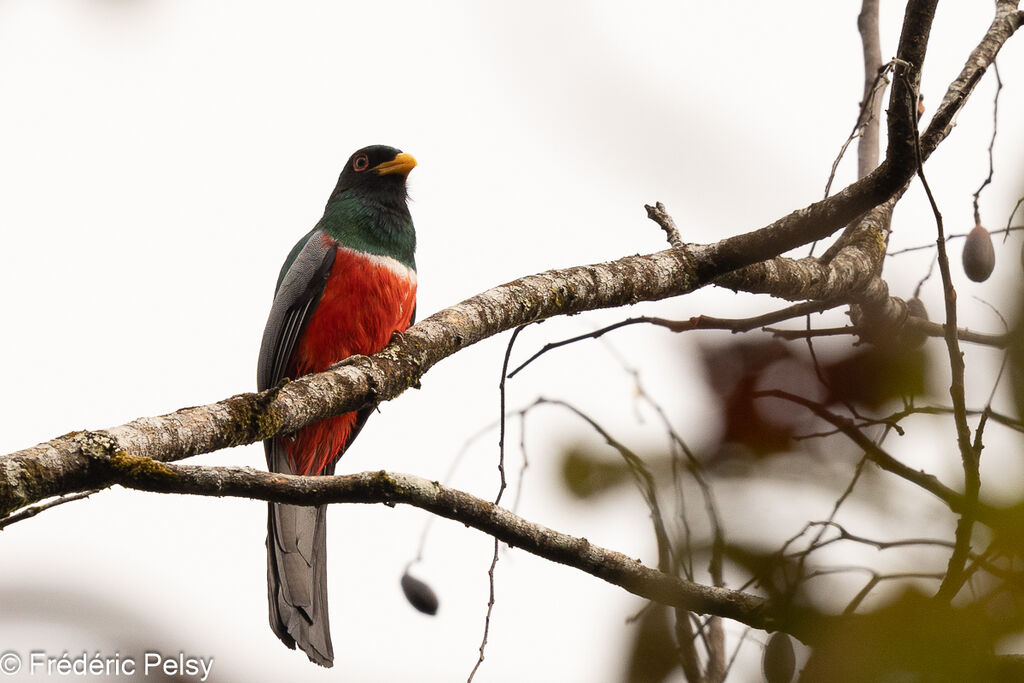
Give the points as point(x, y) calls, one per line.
point(345, 288)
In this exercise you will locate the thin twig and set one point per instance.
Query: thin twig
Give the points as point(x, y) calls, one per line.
point(1009, 220)
point(700, 322)
point(930, 483)
point(501, 418)
point(872, 102)
point(36, 509)
point(736, 652)
point(929, 328)
point(659, 215)
point(991, 144)
point(878, 578)
point(968, 455)
point(638, 469)
point(815, 543)
point(490, 607)
point(846, 535)
point(810, 333)
point(526, 462)
point(714, 642)
point(960, 235)
point(867, 125)
point(685, 646)
point(1004, 420)
point(927, 276)
point(497, 499)
point(688, 659)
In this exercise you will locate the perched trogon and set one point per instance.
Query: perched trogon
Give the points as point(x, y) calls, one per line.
point(345, 288)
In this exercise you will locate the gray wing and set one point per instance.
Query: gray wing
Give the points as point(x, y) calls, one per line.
point(296, 535)
point(294, 303)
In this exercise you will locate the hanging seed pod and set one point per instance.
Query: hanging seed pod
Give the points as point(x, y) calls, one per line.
point(916, 308)
point(779, 661)
point(912, 338)
point(979, 255)
point(419, 594)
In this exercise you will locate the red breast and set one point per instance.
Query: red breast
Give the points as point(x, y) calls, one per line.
point(367, 298)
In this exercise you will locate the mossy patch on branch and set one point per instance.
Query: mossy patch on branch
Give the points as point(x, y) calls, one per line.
point(251, 419)
point(137, 468)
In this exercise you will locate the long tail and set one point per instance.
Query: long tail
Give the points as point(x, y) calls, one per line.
point(297, 569)
point(297, 579)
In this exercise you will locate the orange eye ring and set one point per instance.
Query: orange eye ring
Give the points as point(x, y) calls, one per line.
point(360, 163)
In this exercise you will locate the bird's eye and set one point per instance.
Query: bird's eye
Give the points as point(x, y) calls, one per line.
point(361, 162)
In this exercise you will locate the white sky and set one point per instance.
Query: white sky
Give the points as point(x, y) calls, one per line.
point(158, 159)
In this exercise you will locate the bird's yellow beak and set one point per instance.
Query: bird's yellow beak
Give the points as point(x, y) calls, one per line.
point(402, 164)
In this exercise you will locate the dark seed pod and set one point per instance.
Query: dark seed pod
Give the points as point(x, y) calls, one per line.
point(779, 662)
point(916, 308)
point(912, 338)
point(420, 595)
point(979, 255)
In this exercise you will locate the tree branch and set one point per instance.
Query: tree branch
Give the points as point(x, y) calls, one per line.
point(925, 327)
point(661, 216)
point(867, 146)
point(968, 454)
point(1006, 22)
point(392, 488)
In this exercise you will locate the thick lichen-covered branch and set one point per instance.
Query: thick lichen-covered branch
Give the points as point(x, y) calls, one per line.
point(850, 275)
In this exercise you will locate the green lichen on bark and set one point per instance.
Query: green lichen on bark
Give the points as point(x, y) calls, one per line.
point(251, 419)
point(139, 469)
point(22, 485)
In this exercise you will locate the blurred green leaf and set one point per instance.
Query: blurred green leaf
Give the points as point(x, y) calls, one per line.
point(586, 475)
point(913, 638)
point(877, 374)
